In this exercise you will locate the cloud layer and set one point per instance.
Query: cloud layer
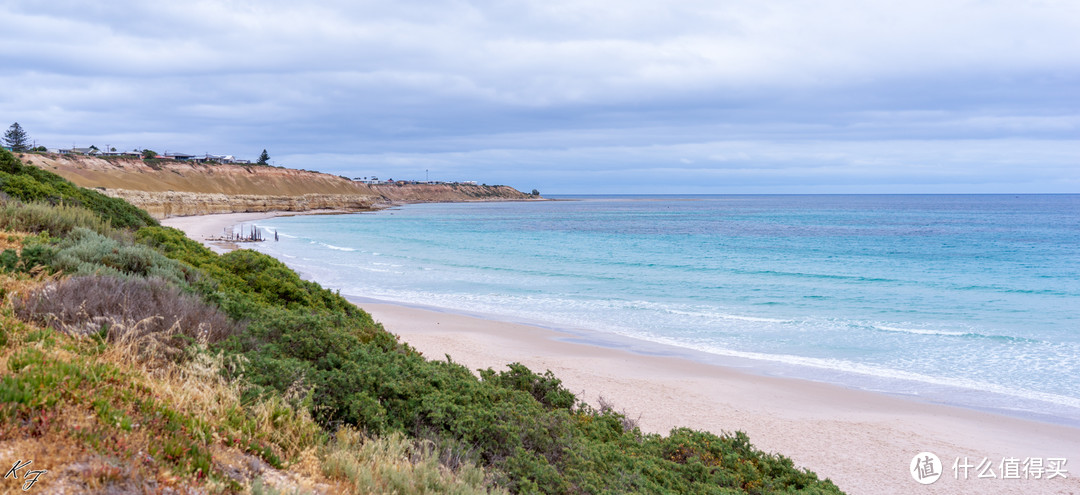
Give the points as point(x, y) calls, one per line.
point(571, 96)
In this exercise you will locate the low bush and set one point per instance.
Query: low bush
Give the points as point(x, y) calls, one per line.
point(85, 252)
point(246, 284)
point(36, 255)
point(9, 260)
point(265, 279)
point(57, 220)
point(85, 305)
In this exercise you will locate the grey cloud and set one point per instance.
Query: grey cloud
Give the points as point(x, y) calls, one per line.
point(518, 89)
point(731, 166)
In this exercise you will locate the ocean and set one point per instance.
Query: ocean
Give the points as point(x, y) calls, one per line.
point(971, 300)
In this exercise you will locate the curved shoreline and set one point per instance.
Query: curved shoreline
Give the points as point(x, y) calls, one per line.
point(862, 440)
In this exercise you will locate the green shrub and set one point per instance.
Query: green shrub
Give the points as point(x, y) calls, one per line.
point(245, 283)
point(35, 253)
point(9, 260)
point(26, 188)
point(85, 252)
point(544, 388)
point(56, 220)
point(29, 184)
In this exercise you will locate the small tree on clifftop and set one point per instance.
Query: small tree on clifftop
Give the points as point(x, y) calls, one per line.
point(16, 138)
point(264, 158)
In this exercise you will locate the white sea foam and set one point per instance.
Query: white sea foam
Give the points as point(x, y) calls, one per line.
point(375, 270)
point(728, 316)
point(872, 316)
point(338, 248)
point(514, 307)
point(889, 373)
point(920, 331)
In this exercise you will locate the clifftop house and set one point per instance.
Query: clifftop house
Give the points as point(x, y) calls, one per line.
point(180, 157)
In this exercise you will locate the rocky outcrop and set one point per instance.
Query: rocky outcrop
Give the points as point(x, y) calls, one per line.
point(167, 188)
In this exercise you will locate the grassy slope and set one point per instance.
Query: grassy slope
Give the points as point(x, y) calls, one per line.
point(288, 384)
point(105, 415)
point(31, 184)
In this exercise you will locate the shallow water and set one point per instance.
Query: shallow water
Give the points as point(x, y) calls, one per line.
point(973, 300)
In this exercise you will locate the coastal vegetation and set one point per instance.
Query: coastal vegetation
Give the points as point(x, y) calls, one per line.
point(29, 184)
point(133, 358)
point(16, 138)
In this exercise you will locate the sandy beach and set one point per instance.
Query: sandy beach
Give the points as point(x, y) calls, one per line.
point(205, 227)
point(863, 441)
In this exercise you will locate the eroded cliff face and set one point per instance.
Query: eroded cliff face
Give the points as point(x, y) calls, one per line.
point(164, 188)
point(178, 204)
point(165, 176)
point(444, 193)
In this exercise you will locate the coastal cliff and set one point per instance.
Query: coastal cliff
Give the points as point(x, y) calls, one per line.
point(167, 188)
point(445, 193)
point(178, 204)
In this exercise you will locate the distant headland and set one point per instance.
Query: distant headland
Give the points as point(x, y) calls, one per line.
point(174, 185)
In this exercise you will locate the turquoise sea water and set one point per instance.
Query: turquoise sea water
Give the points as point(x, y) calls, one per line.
point(971, 300)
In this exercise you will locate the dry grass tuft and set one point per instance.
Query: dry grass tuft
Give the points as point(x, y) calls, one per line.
point(628, 423)
point(396, 464)
point(11, 240)
point(196, 386)
point(128, 310)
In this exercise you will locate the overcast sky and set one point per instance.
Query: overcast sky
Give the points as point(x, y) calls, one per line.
point(580, 96)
